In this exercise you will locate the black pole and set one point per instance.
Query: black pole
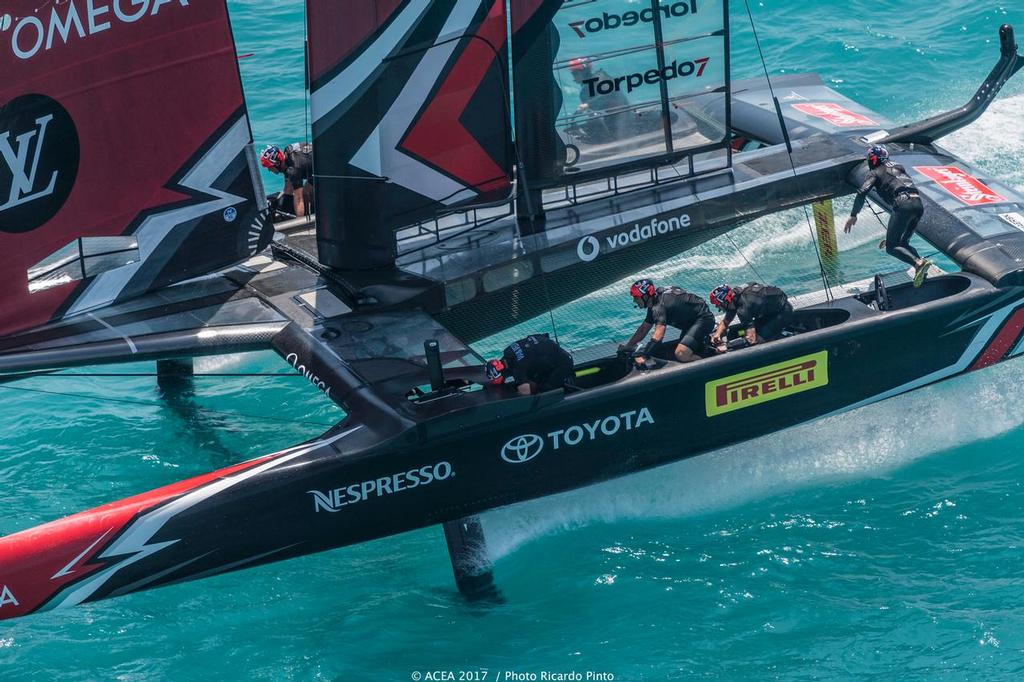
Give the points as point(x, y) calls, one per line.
point(433, 352)
point(659, 50)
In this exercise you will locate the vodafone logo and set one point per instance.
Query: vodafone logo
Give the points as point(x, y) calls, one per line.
point(838, 116)
point(588, 249)
point(967, 188)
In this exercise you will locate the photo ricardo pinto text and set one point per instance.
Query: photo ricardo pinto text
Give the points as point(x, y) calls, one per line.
point(765, 384)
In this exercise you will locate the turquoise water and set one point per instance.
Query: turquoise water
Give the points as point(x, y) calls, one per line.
point(882, 543)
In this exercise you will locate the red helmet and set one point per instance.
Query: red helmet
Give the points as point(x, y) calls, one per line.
point(877, 155)
point(722, 296)
point(644, 290)
point(496, 372)
point(272, 157)
point(579, 65)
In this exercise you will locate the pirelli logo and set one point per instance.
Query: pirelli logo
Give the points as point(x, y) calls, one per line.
point(767, 383)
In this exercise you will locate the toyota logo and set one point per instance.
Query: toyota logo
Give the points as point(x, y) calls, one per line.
point(522, 448)
point(588, 249)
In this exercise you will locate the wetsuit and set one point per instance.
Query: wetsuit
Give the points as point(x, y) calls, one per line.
point(298, 164)
point(766, 307)
point(898, 190)
point(298, 170)
point(679, 308)
point(540, 360)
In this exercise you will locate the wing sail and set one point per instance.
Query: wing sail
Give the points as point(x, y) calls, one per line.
point(125, 154)
point(410, 118)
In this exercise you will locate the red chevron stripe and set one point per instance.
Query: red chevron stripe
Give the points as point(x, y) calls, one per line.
point(1002, 343)
point(37, 563)
point(438, 136)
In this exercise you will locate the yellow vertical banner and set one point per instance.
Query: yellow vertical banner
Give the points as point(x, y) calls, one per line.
point(828, 248)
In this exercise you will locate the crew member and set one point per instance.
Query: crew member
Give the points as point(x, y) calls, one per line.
point(609, 110)
point(296, 162)
point(764, 311)
point(898, 190)
point(670, 306)
point(533, 365)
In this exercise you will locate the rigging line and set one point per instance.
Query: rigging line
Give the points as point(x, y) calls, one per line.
point(744, 257)
point(521, 183)
point(877, 214)
point(162, 405)
point(7, 378)
point(782, 124)
point(817, 252)
point(56, 374)
point(375, 178)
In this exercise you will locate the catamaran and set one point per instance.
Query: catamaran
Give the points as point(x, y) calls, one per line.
point(462, 188)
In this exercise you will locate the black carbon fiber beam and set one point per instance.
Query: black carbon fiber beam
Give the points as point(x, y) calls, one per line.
point(931, 129)
point(467, 547)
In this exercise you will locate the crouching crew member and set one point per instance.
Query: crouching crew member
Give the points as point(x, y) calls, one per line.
point(675, 307)
point(533, 365)
point(764, 311)
point(296, 163)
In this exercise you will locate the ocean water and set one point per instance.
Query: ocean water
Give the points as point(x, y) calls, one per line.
point(883, 543)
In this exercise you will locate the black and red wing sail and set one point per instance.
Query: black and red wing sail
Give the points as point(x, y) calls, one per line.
point(410, 117)
point(125, 154)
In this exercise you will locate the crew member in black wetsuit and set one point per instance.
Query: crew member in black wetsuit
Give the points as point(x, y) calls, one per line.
point(609, 110)
point(898, 190)
point(533, 365)
point(670, 306)
point(296, 162)
point(764, 311)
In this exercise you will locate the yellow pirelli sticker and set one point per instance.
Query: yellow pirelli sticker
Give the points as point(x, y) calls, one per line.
point(758, 386)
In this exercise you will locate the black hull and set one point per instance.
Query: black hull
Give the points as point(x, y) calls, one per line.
point(356, 484)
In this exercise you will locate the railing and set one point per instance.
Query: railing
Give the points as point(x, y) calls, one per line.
point(455, 225)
